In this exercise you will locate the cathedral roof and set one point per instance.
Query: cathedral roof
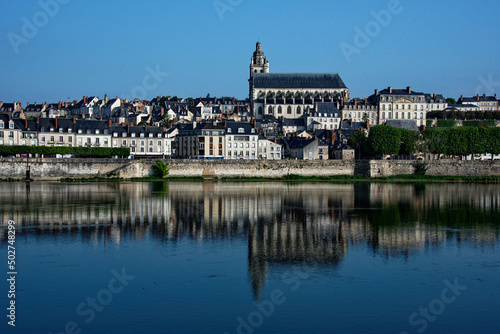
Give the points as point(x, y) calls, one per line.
point(298, 80)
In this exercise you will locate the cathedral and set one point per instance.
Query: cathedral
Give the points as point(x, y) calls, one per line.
point(290, 95)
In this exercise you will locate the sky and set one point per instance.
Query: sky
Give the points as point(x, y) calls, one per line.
point(58, 50)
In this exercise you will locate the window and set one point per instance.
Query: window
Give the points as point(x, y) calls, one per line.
point(61, 139)
point(11, 125)
point(260, 113)
point(105, 142)
point(280, 110)
point(97, 141)
point(289, 110)
point(115, 143)
point(1, 125)
point(299, 111)
point(159, 143)
point(89, 141)
point(133, 142)
point(241, 130)
point(52, 139)
point(151, 143)
point(124, 142)
point(270, 110)
point(142, 143)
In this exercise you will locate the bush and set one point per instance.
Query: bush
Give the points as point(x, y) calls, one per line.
point(84, 152)
point(421, 168)
point(160, 169)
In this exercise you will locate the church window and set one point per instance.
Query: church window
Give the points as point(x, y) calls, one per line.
point(260, 110)
point(270, 110)
point(298, 110)
point(280, 110)
point(289, 110)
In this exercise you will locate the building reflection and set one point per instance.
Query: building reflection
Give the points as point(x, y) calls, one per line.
point(283, 224)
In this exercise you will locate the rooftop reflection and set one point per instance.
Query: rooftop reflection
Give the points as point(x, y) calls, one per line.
point(282, 223)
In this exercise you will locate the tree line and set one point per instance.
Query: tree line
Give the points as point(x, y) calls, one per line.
point(83, 152)
point(459, 141)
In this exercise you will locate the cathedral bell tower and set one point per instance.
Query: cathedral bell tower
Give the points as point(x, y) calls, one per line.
point(259, 64)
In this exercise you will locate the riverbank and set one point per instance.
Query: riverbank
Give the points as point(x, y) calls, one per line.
point(288, 170)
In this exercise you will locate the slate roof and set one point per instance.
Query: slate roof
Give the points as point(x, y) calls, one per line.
point(397, 91)
point(407, 124)
point(298, 80)
point(299, 122)
point(325, 107)
point(300, 143)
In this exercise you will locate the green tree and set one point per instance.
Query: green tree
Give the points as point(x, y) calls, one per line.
point(160, 169)
point(409, 141)
point(451, 101)
point(436, 140)
point(359, 141)
point(166, 121)
point(385, 140)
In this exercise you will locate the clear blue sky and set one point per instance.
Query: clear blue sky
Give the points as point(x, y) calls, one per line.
point(97, 47)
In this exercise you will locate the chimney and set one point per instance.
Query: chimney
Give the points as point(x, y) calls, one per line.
point(106, 98)
point(355, 102)
point(233, 99)
point(10, 118)
point(368, 125)
point(162, 112)
point(366, 101)
point(110, 123)
point(350, 121)
point(376, 92)
point(408, 89)
point(74, 119)
point(476, 97)
point(124, 124)
point(37, 119)
point(390, 90)
point(484, 96)
point(56, 122)
point(434, 97)
point(265, 133)
point(26, 122)
point(84, 100)
point(59, 105)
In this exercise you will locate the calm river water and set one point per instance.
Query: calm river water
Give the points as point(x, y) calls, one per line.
point(222, 258)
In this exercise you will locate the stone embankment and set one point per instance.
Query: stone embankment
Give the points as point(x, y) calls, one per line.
point(54, 169)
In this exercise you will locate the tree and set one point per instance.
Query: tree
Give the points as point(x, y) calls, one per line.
point(451, 101)
point(436, 140)
point(160, 169)
point(166, 121)
point(385, 140)
point(359, 141)
point(409, 141)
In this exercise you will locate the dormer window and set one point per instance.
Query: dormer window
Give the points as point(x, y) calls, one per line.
point(11, 125)
point(124, 134)
point(51, 129)
point(253, 130)
point(88, 132)
point(96, 132)
point(229, 130)
point(150, 135)
point(60, 129)
point(142, 135)
point(1, 125)
point(133, 135)
point(241, 130)
point(70, 130)
point(106, 131)
point(80, 131)
point(159, 135)
point(115, 134)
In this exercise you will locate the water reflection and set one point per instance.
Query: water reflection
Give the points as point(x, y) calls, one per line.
point(282, 223)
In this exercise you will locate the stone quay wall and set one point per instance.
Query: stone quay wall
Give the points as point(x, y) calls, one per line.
point(54, 169)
